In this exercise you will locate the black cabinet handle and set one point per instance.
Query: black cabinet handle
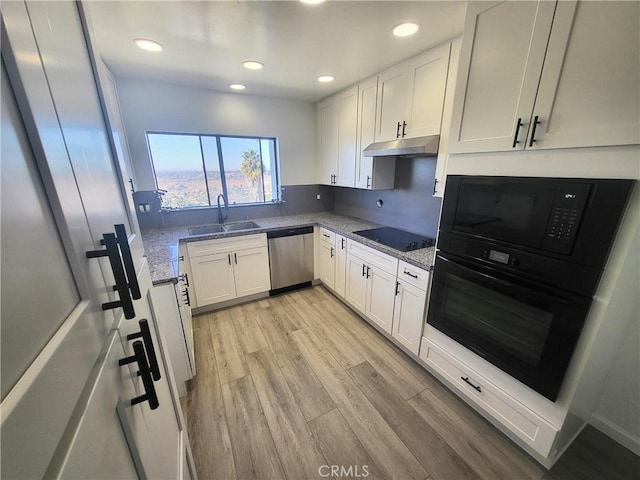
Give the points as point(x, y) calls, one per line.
point(187, 298)
point(404, 125)
point(229, 257)
point(411, 274)
point(368, 269)
point(145, 373)
point(122, 287)
point(342, 244)
point(235, 257)
point(515, 137)
point(363, 269)
point(145, 334)
point(185, 278)
point(397, 288)
point(127, 260)
point(368, 181)
point(435, 186)
point(331, 252)
point(398, 131)
point(326, 236)
point(466, 379)
point(536, 122)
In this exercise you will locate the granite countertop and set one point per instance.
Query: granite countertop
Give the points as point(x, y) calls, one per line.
point(161, 244)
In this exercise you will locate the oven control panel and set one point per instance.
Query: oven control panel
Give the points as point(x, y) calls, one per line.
point(564, 218)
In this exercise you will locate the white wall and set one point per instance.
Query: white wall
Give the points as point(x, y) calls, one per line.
point(148, 105)
point(618, 413)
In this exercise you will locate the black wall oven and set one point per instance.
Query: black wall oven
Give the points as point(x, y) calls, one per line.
point(519, 260)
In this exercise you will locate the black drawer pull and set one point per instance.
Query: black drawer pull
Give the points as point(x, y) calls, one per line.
point(342, 243)
point(145, 334)
point(397, 288)
point(368, 181)
point(411, 274)
point(187, 299)
point(368, 269)
point(122, 287)
point(145, 373)
point(326, 236)
point(398, 130)
point(185, 278)
point(331, 252)
point(404, 125)
point(466, 379)
point(363, 269)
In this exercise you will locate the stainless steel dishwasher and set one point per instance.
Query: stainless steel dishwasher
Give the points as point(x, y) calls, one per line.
point(290, 258)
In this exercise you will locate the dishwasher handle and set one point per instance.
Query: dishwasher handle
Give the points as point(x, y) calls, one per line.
point(289, 232)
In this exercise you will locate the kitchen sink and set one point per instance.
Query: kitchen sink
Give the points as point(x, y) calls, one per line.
point(205, 229)
point(231, 227)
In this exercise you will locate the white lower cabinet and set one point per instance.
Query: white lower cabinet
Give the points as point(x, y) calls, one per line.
point(529, 427)
point(341, 266)
point(408, 315)
point(326, 263)
point(228, 268)
point(173, 314)
point(370, 283)
point(411, 299)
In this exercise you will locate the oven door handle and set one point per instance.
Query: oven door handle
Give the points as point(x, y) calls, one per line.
point(481, 272)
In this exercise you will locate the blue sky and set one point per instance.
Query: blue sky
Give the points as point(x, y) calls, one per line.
point(182, 152)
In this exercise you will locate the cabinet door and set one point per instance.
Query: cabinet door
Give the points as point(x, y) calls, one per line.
point(392, 97)
point(347, 134)
point(502, 55)
point(408, 315)
point(251, 271)
point(590, 86)
point(328, 133)
point(445, 131)
point(341, 265)
point(427, 80)
point(213, 280)
point(367, 92)
point(380, 297)
point(356, 288)
point(326, 263)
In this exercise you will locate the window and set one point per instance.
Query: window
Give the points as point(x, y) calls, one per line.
point(195, 169)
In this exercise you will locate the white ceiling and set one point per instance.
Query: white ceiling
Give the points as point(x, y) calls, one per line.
point(205, 42)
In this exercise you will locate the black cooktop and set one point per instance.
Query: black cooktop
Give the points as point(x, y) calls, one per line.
point(396, 238)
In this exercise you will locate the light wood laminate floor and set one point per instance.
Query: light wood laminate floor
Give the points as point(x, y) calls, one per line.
point(288, 384)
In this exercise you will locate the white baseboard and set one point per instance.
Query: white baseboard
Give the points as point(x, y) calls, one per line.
point(613, 431)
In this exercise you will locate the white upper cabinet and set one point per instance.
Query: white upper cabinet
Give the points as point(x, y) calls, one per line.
point(589, 90)
point(371, 173)
point(532, 80)
point(392, 97)
point(427, 82)
point(337, 120)
point(411, 96)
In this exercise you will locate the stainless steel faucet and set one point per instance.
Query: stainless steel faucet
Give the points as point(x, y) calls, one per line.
point(222, 218)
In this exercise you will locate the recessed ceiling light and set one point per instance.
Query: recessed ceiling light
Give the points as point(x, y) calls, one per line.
point(405, 29)
point(253, 65)
point(237, 86)
point(149, 45)
point(312, 2)
point(326, 78)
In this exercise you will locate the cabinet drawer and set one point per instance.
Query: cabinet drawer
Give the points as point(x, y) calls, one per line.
point(525, 424)
point(222, 245)
point(413, 275)
point(327, 236)
point(372, 257)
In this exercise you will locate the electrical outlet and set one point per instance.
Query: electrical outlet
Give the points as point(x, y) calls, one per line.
point(317, 196)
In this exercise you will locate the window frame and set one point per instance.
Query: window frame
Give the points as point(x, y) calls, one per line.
point(277, 191)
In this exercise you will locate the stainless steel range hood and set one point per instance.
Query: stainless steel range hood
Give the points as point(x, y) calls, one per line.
point(404, 147)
